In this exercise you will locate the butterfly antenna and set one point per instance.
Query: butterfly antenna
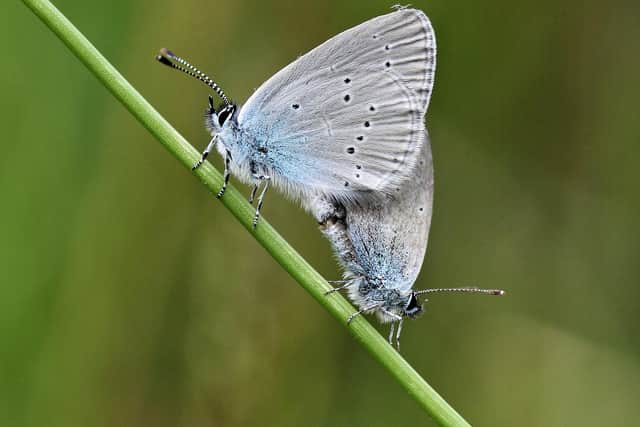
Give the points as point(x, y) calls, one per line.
point(470, 290)
point(166, 57)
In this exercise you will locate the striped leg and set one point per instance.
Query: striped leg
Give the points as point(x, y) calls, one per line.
point(345, 285)
point(393, 325)
point(266, 180)
point(227, 174)
point(253, 193)
point(205, 153)
point(398, 335)
point(371, 307)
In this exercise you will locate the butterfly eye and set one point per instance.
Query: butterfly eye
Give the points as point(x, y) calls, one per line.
point(225, 113)
point(414, 307)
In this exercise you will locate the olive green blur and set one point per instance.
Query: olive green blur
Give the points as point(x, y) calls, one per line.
point(130, 296)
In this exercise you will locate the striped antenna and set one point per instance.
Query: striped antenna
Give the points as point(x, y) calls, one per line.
point(166, 56)
point(470, 290)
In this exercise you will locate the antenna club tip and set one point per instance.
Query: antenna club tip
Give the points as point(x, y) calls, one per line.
point(163, 60)
point(165, 52)
point(498, 292)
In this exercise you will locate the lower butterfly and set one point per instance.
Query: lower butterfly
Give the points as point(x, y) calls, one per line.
point(381, 248)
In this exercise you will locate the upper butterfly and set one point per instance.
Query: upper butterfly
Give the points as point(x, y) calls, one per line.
point(345, 121)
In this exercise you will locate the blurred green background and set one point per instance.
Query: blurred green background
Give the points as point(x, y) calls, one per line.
point(129, 296)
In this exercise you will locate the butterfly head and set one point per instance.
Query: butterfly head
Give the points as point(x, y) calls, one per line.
point(215, 119)
point(394, 304)
point(413, 308)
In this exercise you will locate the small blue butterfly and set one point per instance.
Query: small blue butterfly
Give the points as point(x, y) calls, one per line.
point(381, 248)
point(344, 121)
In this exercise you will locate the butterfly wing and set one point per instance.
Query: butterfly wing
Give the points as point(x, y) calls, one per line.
point(390, 240)
point(346, 119)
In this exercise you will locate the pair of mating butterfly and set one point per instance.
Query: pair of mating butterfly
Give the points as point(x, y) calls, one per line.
point(342, 130)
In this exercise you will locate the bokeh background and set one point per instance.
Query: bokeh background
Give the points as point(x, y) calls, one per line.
point(130, 296)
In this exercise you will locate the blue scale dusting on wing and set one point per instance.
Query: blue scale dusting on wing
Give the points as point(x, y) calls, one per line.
point(267, 144)
point(373, 256)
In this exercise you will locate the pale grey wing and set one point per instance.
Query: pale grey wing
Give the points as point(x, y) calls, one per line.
point(405, 39)
point(390, 240)
point(351, 140)
point(324, 101)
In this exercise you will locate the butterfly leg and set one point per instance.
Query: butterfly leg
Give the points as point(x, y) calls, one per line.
point(205, 153)
point(266, 180)
point(345, 285)
point(253, 193)
point(371, 307)
point(394, 316)
point(227, 174)
point(398, 335)
point(393, 325)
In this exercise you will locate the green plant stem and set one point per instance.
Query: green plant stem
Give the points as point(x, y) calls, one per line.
point(269, 238)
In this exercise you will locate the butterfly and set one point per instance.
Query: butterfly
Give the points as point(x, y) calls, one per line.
point(344, 121)
point(381, 248)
